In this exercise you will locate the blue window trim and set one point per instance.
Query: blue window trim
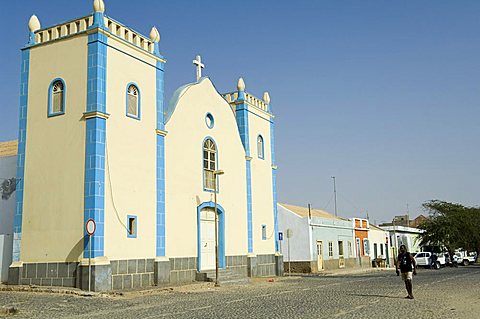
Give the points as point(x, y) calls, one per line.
point(50, 89)
point(261, 156)
point(139, 102)
point(216, 166)
point(212, 120)
point(134, 235)
point(221, 234)
point(264, 232)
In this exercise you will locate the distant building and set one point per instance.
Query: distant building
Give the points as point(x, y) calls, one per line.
point(379, 246)
point(401, 235)
point(316, 240)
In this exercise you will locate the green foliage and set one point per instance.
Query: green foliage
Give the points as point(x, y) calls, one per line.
point(451, 225)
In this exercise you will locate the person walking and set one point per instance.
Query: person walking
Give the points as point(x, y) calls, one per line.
point(406, 264)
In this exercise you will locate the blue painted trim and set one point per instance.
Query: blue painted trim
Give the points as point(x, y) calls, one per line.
point(134, 235)
point(160, 245)
point(139, 106)
point(274, 184)
point(94, 188)
point(221, 233)
point(22, 137)
point(216, 166)
point(64, 98)
point(97, 73)
point(241, 114)
point(261, 156)
point(160, 231)
point(210, 117)
point(31, 38)
point(249, 207)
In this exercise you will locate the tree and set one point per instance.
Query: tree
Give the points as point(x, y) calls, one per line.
point(451, 225)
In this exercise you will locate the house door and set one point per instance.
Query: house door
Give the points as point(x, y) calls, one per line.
point(207, 239)
point(359, 251)
point(319, 255)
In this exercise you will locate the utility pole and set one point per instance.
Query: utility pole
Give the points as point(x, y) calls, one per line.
point(335, 194)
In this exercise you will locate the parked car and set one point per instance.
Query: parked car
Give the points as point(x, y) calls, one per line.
point(430, 260)
point(465, 258)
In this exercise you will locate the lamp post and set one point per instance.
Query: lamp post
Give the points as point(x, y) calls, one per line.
point(335, 194)
point(215, 173)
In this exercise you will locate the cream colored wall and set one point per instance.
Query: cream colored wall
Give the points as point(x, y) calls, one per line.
point(376, 236)
point(54, 178)
point(184, 171)
point(262, 195)
point(131, 155)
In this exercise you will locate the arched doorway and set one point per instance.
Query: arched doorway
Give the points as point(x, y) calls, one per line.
point(206, 236)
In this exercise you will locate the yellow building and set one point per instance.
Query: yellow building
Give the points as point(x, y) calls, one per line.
point(98, 143)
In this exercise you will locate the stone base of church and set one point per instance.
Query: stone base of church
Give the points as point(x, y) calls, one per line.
point(161, 270)
point(264, 265)
point(100, 273)
point(61, 274)
point(132, 273)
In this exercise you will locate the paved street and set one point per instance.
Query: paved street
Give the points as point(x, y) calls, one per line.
point(446, 293)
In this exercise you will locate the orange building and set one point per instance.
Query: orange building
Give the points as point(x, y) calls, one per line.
point(361, 227)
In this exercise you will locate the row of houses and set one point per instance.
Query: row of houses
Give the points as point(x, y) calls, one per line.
point(314, 240)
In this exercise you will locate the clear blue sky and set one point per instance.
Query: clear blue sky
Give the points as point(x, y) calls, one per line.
point(383, 95)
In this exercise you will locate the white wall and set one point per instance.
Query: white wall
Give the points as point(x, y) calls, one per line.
point(8, 169)
point(299, 242)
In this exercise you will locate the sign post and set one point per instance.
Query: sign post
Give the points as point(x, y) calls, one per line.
point(90, 227)
point(289, 235)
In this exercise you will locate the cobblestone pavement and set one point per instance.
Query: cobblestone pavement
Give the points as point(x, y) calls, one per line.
point(444, 293)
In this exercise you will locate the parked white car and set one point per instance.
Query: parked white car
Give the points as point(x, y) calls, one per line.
point(465, 258)
point(429, 260)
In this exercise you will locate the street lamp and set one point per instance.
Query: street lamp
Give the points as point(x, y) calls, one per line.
point(215, 173)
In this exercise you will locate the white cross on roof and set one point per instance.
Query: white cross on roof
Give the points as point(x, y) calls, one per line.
point(199, 66)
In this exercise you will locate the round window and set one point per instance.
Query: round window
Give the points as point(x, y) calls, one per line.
point(209, 120)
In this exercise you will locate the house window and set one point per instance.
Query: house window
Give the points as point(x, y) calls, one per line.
point(366, 247)
point(260, 148)
point(209, 164)
point(340, 247)
point(264, 232)
point(381, 249)
point(350, 248)
point(133, 101)
point(131, 226)
point(56, 98)
point(330, 249)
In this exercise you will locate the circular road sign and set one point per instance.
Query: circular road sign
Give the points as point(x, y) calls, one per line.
point(90, 227)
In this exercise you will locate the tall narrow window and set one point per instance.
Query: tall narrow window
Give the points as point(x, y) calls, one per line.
point(330, 249)
point(56, 98)
point(260, 147)
point(131, 226)
point(209, 164)
point(133, 101)
point(340, 247)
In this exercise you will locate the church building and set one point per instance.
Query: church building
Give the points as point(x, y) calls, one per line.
point(118, 188)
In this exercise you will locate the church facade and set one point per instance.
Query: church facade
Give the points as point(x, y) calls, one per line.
point(119, 189)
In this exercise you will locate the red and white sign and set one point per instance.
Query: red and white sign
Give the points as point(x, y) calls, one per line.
point(90, 227)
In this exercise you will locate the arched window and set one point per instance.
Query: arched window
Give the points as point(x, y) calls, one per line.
point(260, 147)
point(209, 163)
point(133, 101)
point(56, 98)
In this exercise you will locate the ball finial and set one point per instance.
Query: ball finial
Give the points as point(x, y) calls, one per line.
point(33, 23)
point(266, 98)
point(98, 6)
point(241, 84)
point(154, 35)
